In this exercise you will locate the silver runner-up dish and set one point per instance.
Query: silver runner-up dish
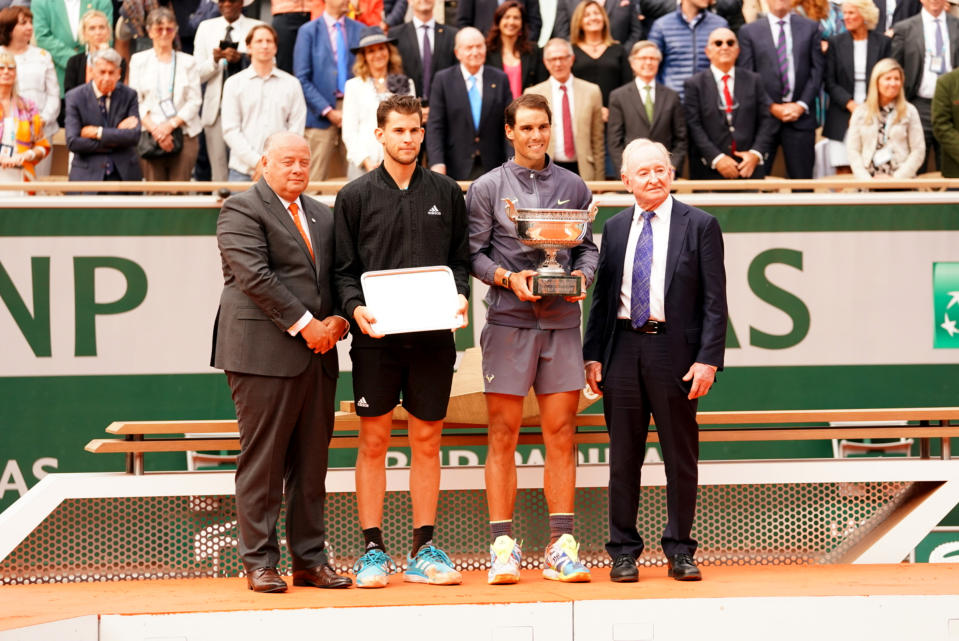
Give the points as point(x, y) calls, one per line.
point(552, 230)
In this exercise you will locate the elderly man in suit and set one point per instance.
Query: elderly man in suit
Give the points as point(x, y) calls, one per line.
point(103, 124)
point(927, 47)
point(479, 14)
point(275, 337)
point(464, 134)
point(577, 143)
point(945, 122)
point(625, 24)
point(731, 129)
point(646, 109)
point(323, 62)
point(785, 50)
point(654, 340)
point(425, 45)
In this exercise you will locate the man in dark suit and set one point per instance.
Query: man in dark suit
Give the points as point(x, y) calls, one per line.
point(465, 132)
point(945, 122)
point(924, 58)
point(624, 20)
point(275, 337)
point(410, 39)
point(785, 49)
point(103, 124)
point(323, 62)
point(630, 107)
point(903, 9)
point(479, 14)
point(654, 346)
point(731, 129)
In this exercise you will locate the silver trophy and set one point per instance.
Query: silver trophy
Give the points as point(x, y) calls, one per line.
point(552, 230)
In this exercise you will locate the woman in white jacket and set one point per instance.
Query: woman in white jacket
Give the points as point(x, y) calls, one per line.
point(377, 74)
point(885, 137)
point(168, 89)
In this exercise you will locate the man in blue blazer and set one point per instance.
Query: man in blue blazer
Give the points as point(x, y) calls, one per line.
point(323, 62)
point(727, 139)
point(653, 344)
point(785, 49)
point(456, 145)
point(103, 124)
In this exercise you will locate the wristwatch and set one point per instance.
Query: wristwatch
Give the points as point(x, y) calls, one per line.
point(505, 280)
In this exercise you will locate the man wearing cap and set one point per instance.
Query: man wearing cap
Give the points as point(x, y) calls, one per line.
point(323, 62)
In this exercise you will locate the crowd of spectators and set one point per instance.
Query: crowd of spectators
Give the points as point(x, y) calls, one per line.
point(865, 87)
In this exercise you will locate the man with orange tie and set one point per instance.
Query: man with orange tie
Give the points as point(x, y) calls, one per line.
point(577, 106)
point(275, 337)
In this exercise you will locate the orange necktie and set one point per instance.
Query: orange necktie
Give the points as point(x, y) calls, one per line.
point(295, 212)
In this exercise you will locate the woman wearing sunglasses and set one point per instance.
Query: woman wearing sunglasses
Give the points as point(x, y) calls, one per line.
point(22, 143)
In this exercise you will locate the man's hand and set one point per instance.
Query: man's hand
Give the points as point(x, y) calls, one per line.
point(748, 164)
point(89, 131)
point(317, 336)
point(463, 311)
point(130, 122)
point(337, 326)
point(232, 55)
point(594, 376)
point(786, 111)
point(702, 376)
point(520, 282)
point(728, 167)
point(582, 287)
point(365, 319)
point(335, 116)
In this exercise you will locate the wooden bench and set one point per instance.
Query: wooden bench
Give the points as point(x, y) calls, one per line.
point(726, 426)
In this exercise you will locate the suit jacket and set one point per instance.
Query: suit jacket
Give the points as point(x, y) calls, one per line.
point(51, 28)
point(269, 282)
point(839, 79)
point(532, 69)
point(758, 53)
point(451, 138)
point(945, 121)
point(315, 67)
point(904, 9)
point(408, 43)
point(628, 121)
point(694, 293)
point(117, 145)
point(909, 48)
point(625, 25)
point(588, 133)
point(479, 14)
point(709, 132)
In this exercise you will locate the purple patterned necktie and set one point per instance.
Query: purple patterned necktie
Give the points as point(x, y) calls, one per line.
point(102, 103)
point(642, 267)
point(783, 58)
point(427, 61)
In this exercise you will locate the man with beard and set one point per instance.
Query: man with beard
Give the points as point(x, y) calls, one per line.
point(400, 215)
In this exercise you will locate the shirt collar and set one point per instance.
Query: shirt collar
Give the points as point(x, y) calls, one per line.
point(928, 17)
point(556, 84)
point(330, 21)
point(640, 84)
point(97, 93)
point(774, 21)
point(467, 74)
point(418, 24)
point(663, 212)
point(718, 74)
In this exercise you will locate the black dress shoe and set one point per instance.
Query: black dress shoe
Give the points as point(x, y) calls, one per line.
point(682, 567)
point(624, 569)
point(265, 580)
point(322, 576)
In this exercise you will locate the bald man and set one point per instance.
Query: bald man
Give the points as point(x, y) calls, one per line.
point(275, 336)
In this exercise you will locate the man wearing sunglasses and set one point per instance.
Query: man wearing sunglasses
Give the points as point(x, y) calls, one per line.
point(731, 129)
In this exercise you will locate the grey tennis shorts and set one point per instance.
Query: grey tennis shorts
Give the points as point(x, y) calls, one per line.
point(548, 360)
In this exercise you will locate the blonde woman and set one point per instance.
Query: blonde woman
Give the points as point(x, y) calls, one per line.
point(378, 74)
point(22, 143)
point(168, 90)
point(885, 137)
point(596, 56)
point(94, 34)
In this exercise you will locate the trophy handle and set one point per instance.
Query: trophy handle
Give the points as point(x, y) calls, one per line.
point(510, 208)
point(593, 210)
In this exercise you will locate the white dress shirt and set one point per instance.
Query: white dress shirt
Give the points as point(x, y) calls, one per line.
point(430, 34)
point(254, 108)
point(208, 36)
point(641, 85)
point(927, 86)
point(559, 141)
point(659, 224)
point(73, 15)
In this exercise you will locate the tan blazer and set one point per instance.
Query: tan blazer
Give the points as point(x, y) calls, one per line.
point(588, 130)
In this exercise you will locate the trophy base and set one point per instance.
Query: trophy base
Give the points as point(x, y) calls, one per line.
point(557, 285)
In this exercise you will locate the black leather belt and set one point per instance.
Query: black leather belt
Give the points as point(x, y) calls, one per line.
point(651, 326)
